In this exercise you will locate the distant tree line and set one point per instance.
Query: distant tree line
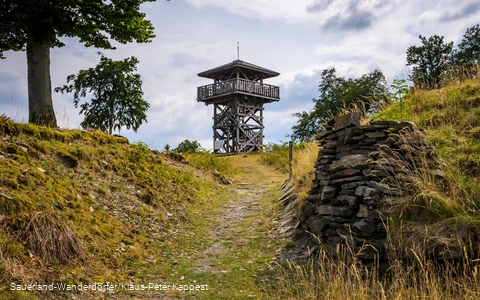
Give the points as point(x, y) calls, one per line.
point(430, 62)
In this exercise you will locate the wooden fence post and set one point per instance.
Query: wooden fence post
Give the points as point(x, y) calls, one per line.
point(290, 159)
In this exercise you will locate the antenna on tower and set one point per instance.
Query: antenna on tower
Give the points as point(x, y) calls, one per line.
point(238, 50)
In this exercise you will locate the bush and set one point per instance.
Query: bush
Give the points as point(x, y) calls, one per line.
point(189, 147)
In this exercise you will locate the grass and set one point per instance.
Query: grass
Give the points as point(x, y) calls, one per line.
point(304, 157)
point(450, 118)
point(325, 278)
point(139, 216)
point(440, 218)
point(210, 162)
point(118, 212)
point(107, 205)
point(236, 251)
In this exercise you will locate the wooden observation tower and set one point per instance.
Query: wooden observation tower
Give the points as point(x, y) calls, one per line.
point(238, 94)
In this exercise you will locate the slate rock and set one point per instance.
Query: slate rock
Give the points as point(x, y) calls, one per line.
point(347, 173)
point(314, 198)
point(385, 188)
point(317, 226)
point(328, 191)
point(343, 211)
point(376, 134)
point(324, 209)
point(354, 161)
point(347, 120)
point(344, 180)
point(365, 212)
point(347, 200)
point(353, 185)
point(366, 191)
point(309, 209)
point(364, 227)
point(323, 134)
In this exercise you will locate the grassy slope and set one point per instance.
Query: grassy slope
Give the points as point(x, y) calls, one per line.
point(445, 211)
point(122, 202)
point(138, 215)
point(451, 119)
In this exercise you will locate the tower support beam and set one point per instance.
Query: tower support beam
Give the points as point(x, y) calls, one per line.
point(238, 125)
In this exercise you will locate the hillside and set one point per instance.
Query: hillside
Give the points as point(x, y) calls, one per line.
point(450, 117)
point(87, 207)
point(440, 216)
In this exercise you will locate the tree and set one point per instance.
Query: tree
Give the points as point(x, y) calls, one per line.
point(36, 26)
point(429, 61)
point(336, 93)
point(468, 52)
point(188, 147)
point(400, 90)
point(117, 95)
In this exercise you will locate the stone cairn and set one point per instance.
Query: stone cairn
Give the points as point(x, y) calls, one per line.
point(350, 187)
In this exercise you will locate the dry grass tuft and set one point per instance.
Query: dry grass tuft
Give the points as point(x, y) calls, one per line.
point(45, 235)
point(458, 74)
point(11, 268)
point(328, 278)
point(356, 107)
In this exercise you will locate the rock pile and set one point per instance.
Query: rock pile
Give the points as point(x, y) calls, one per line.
point(358, 173)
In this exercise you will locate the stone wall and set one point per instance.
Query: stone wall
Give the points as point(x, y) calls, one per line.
point(357, 175)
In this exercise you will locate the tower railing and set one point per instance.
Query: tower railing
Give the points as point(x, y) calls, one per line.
point(238, 85)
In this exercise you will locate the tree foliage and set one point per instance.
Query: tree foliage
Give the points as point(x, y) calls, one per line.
point(400, 89)
point(336, 93)
point(429, 61)
point(117, 99)
point(468, 50)
point(94, 22)
point(188, 146)
point(36, 26)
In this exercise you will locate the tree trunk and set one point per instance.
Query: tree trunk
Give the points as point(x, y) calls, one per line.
point(40, 104)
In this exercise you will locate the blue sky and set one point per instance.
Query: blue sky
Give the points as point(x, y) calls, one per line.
point(298, 39)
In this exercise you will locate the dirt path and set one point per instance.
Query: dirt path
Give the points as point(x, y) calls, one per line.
point(230, 215)
point(234, 244)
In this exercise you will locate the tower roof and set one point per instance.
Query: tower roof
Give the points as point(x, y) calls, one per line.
point(225, 71)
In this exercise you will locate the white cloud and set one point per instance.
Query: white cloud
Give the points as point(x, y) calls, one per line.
point(282, 10)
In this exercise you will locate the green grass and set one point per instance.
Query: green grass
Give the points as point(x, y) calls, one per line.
point(138, 215)
point(450, 117)
point(210, 162)
point(111, 194)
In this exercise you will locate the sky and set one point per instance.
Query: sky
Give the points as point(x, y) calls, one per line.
point(298, 39)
